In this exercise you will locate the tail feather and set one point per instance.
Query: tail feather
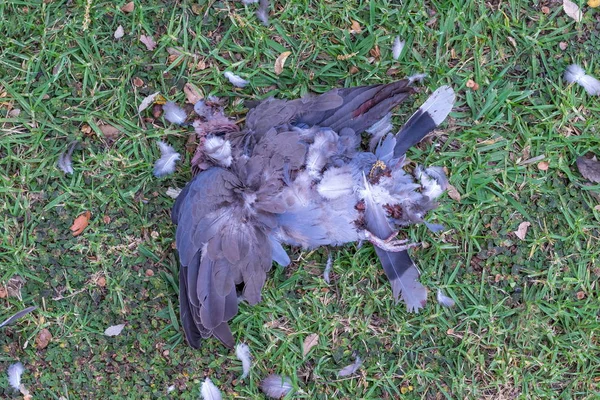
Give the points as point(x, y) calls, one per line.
point(427, 118)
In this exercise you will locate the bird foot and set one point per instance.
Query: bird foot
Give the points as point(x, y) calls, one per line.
point(390, 244)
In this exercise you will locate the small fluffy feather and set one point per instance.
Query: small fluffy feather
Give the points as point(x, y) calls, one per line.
point(202, 109)
point(219, 150)
point(276, 386)
point(327, 270)
point(431, 187)
point(242, 352)
point(173, 113)
point(350, 369)
point(249, 1)
point(416, 78)
point(262, 12)
point(64, 161)
point(576, 74)
point(165, 165)
point(209, 391)
point(397, 47)
point(14, 375)
point(336, 182)
point(445, 300)
point(235, 79)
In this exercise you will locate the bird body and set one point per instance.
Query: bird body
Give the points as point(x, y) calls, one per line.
point(296, 175)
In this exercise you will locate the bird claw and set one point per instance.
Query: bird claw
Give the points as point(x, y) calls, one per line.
point(390, 244)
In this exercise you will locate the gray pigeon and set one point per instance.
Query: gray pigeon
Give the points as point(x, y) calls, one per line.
point(296, 175)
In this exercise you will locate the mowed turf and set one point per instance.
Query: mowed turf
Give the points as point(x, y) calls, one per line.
point(526, 323)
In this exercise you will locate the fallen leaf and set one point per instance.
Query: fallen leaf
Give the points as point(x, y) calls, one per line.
point(280, 62)
point(563, 45)
point(572, 10)
point(119, 33)
point(593, 3)
point(471, 84)
point(580, 295)
point(311, 341)
point(137, 82)
point(589, 168)
point(127, 8)
point(543, 165)
point(114, 330)
point(109, 131)
point(81, 223)
point(545, 10)
point(43, 339)
point(86, 129)
point(147, 101)
point(101, 281)
point(522, 230)
point(192, 93)
point(157, 111)
point(512, 41)
point(355, 27)
point(148, 41)
point(3, 292)
point(375, 52)
point(453, 193)
point(353, 70)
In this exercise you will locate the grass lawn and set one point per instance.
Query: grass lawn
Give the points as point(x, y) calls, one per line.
point(526, 324)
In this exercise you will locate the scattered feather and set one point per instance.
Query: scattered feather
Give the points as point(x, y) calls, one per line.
point(350, 369)
point(119, 32)
point(14, 375)
point(262, 12)
point(235, 79)
point(16, 316)
point(327, 270)
point(445, 300)
point(64, 161)
point(170, 388)
point(589, 168)
point(576, 74)
point(114, 330)
point(165, 165)
point(209, 391)
point(276, 386)
point(397, 47)
point(417, 78)
point(522, 230)
point(173, 192)
point(173, 113)
point(246, 2)
point(242, 352)
point(202, 109)
point(147, 102)
point(572, 10)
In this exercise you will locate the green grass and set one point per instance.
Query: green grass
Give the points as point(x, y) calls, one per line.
point(520, 329)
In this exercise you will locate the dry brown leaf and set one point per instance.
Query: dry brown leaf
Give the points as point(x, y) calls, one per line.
point(572, 10)
point(157, 111)
point(545, 10)
point(353, 70)
point(137, 82)
point(192, 93)
point(280, 62)
point(147, 101)
point(127, 8)
point(81, 223)
point(593, 3)
point(563, 46)
point(543, 165)
point(311, 341)
point(375, 52)
point(512, 41)
point(43, 339)
point(3, 292)
point(86, 129)
point(109, 131)
point(522, 230)
point(471, 84)
point(453, 193)
point(148, 41)
point(355, 27)
point(580, 295)
point(201, 65)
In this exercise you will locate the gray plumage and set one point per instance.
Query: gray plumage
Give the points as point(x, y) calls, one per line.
point(296, 175)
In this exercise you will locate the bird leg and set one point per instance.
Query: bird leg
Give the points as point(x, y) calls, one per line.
point(390, 244)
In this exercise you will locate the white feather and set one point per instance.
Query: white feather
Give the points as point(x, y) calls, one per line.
point(416, 77)
point(439, 104)
point(430, 187)
point(242, 352)
point(249, 1)
point(165, 165)
point(576, 74)
point(209, 391)
point(445, 300)
point(318, 152)
point(173, 113)
point(235, 79)
point(219, 150)
point(14, 375)
point(397, 47)
point(336, 182)
point(327, 271)
point(276, 386)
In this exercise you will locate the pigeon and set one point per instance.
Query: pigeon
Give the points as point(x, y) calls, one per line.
point(298, 174)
